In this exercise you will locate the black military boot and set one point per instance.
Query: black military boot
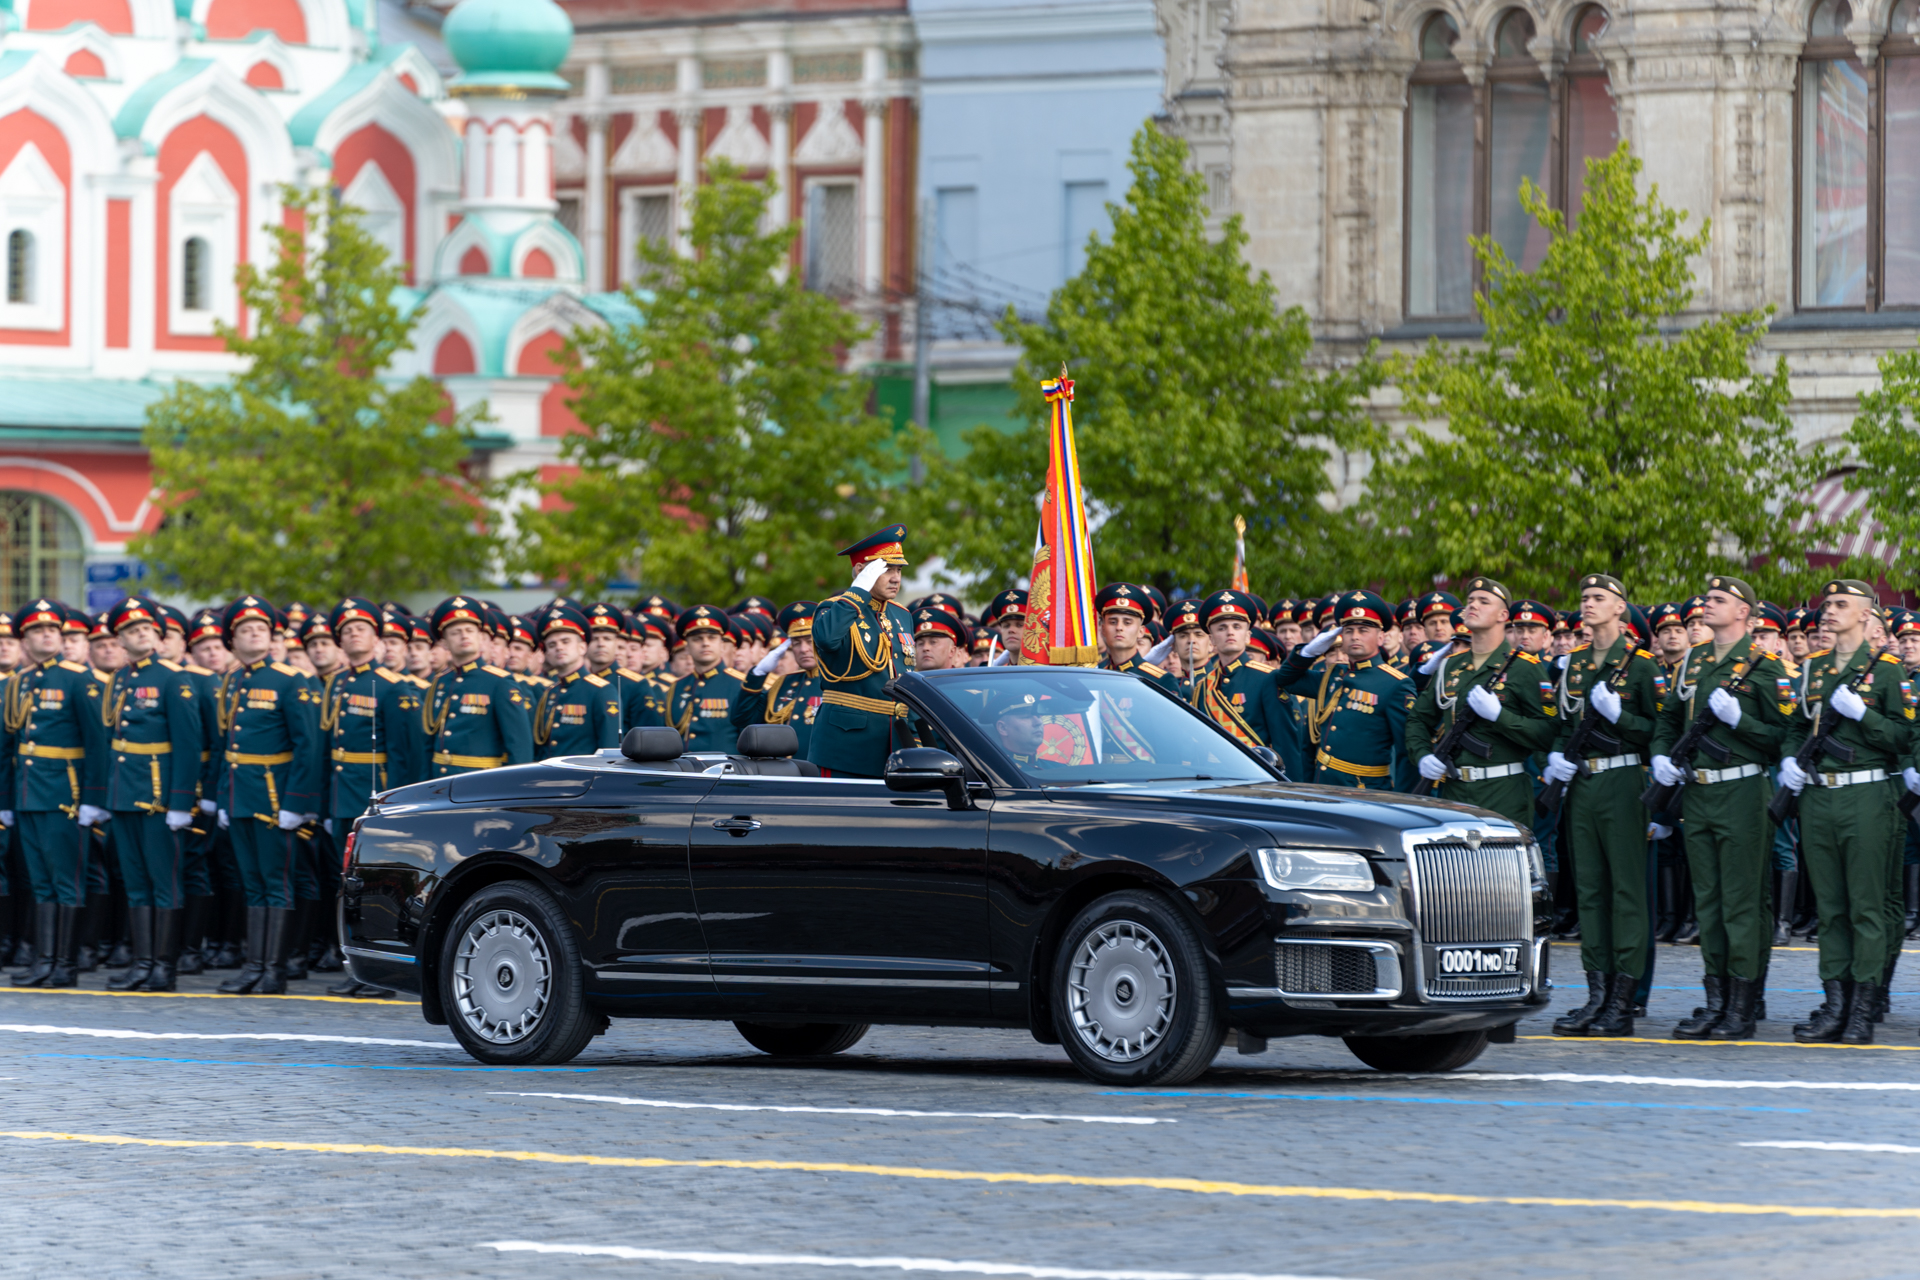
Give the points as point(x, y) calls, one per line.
point(1859, 1028)
point(273, 982)
point(253, 965)
point(96, 918)
point(1708, 1015)
point(327, 957)
point(1616, 1019)
point(233, 933)
point(1688, 935)
point(299, 919)
point(1667, 916)
point(140, 968)
point(1737, 1022)
point(66, 955)
point(1886, 985)
point(45, 917)
point(1830, 1019)
point(1783, 913)
point(6, 925)
point(166, 948)
point(1576, 1021)
point(193, 932)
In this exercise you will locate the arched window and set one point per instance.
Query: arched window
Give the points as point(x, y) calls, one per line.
point(1836, 108)
point(1440, 170)
point(1593, 124)
point(1519, 139)
point(42, 552)
point(194, 266)
point(20, 267)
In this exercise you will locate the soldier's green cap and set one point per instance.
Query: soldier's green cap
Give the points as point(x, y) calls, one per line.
point(1850, 587)
point(1606, 582)
point(1733, 587)
point(1490, 586)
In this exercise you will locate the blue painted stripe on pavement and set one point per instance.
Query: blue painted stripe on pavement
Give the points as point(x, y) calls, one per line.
point(335, 1066)
point(1440, 1102)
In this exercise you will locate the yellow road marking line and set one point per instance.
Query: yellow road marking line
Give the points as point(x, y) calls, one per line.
point(185, 995)
point(1198, 1186)
point(1709, 1044)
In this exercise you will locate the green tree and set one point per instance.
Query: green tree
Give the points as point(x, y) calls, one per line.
point(1194, 403)
point(1885, 440)
point(308, 475)
point(728, 450)
point(1593, 430)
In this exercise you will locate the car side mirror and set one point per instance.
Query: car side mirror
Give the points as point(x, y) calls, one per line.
point(1269, 757)
point(928, 769)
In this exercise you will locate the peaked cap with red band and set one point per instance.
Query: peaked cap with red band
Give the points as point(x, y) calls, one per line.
point(888, 545)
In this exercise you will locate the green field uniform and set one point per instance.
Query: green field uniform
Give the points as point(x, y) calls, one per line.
point(1606, 825)
point(1729, 836)
point(1848, 819)
point(1499, 781)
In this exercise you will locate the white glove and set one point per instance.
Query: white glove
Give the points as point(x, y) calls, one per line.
point(92, 816)
point(1320, 643)
point(1657, 832)
point(1561, 662)
point(179, 819)
point(870, 573)
point(1434, 659)
point(6, 817)
point(772, 659)
point(1909, 774)
point(289, 821)
point(1665, 774)
point(1559, 768)
point(1484, 704)
point(1158, 654)
point(1792, 776)
point(209, 806)
point(1725, 706)
point(1847, 703)
point(223, 819)
point(310, 818)
point(328, 824)
point(1432, 768)
point(1606, 702)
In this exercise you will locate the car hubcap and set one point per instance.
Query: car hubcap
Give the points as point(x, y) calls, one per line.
point(502, 977)
point(1121, 991)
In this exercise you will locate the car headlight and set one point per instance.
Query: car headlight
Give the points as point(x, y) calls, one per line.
point(1537, 863)
point(1314, 869)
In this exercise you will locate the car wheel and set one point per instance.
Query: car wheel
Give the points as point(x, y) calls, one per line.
point(510, 979)
point(1446, 1052)
point(801, 1039)
point(1133, 1000)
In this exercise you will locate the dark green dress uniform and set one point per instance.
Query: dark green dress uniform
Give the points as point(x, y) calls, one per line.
point(371, 718)
point(1848, 814)
point(1729, 838)
point(476, 716)
point(53, 760)
point(1242, 695)
point(576, 715)
point(1499, 781)
point(792, 699)
point(273, 750)
point(153, 709)
point(1606, 823)
point(1352, 714)
point(703, 709)
point(1147, 671)
point(862, 647)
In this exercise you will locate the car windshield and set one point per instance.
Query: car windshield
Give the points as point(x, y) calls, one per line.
point(1069, 726)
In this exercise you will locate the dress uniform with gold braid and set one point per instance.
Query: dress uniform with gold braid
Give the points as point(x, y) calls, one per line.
point(476, 715)
point(371, 718)
point(704, 701)
point(792, 699)
point(863, 645)
point(637, 697)
point(1124, 597)
point(577, 713)
point(1352, 713)
point(1240, 694)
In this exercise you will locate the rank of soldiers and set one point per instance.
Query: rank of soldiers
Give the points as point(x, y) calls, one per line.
point(175, 786)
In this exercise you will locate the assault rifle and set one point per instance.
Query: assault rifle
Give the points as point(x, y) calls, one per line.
point(1592, 731)
point(1460, 736)
point(1786, 801)
point(1659, 797)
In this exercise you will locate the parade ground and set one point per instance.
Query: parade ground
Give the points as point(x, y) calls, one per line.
point(192, 1134)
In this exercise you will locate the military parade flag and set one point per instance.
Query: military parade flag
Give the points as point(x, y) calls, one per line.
point(1239, 580)
point(1060, 617)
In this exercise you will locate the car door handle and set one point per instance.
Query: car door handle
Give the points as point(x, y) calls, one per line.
point(738, 826)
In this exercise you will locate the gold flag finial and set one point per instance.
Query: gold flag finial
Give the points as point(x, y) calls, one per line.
point(1240, 525)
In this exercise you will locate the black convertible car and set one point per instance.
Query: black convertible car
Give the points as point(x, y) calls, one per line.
point(1070, 851)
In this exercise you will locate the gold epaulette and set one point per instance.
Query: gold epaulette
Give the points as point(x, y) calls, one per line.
point(628, 673)
point(1893, 658)
point(287, 670)
point(170, 664)
point(1258, 665)
point(386, 675)
point(1530, 657)
point(492, 670)
point(1584, 645)
point(1398, 674)
point(737, 675)
point(1150, 669)
point(598, 682)
point(1819, 653)
point(76, 666)
point(194, 668)
point(1642, 653)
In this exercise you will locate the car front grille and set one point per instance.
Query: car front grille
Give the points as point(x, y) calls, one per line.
point(1468, 891)
point(1314, 969)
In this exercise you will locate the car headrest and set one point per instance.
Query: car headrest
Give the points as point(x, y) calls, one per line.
point(769, 741)
point(646, 744)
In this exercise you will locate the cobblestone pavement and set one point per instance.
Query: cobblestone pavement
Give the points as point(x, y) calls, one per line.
point(1297, 1161)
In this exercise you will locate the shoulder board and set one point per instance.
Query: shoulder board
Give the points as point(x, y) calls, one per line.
point(1583, 647)
point(419, 681)
point(1150, 669)
point(666, 678)
point(598, 682)
point(1642, 653)
point(1888, 657)
point(194, 668)
point(381, 673)
point(98, 674)
point(171, 665)
point(1820, 653)
point(287, 670)
point(737, 675)
point(628, 673)
point(1528, 657)
point(494, 671)
point(75, 666)
point(1258, 665)
point(1396, 672)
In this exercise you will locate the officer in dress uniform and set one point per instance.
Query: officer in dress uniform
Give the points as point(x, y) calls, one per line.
point(272, 748)
point(1849, 824)
point(578, 713)
point(1237, 690)
point(1190, 648)
point(770, 697)
point(1352, 713)
point(637, 697)
point(52, 776)
point(1504, 696)
point(864, 640)
point(1611, 678)
point(1123, 608)
point(1729, 838)
point(1006, 614)
point(152, 708)
point(474, 715)
point(705, 698)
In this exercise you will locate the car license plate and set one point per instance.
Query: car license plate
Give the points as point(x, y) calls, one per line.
point(1475, 962)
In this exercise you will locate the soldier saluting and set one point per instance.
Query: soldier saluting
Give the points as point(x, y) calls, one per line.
point(793, 699)
point(863, 638)
point(1354, 703)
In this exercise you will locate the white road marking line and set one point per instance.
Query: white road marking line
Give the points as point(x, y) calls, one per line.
point(946, 1265)
point(1681, 1082)
point(829, 1111)
point(1890, 1148)
point(115, 1033)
